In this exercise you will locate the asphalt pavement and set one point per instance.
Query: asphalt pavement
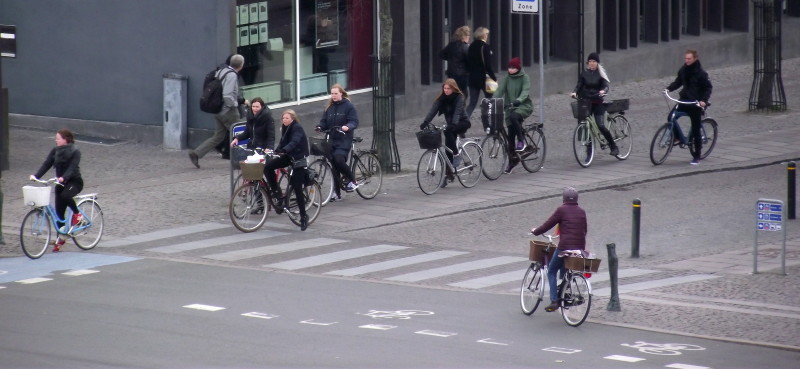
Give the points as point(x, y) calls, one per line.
point(145, 188)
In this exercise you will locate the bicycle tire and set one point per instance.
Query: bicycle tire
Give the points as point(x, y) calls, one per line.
point(709, 133)
point(369, 175)
point(324, 179)
point(248, 207)
point(532, 157)
point(470, 172)
point(575, 300)
point(430, 172)
point(35, 232)
point(313, 199)
point(87, 238)
point(531, 292)
point(582, 145)
point(622, 134)
point(661, 145)
point(495, 157)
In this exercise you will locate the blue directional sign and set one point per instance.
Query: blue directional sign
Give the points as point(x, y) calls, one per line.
point(769, 215)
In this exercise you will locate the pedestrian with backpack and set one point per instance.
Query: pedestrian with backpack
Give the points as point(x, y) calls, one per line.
point(221, 98)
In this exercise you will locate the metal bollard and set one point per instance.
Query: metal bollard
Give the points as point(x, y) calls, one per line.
point(790, 201)
point(637, 213)
point(613, 265)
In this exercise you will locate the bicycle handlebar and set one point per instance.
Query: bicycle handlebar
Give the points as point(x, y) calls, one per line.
point(330, 130)
point(48, 182)
point(666, 93)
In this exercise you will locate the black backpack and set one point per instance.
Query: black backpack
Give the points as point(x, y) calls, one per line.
point(211, 101)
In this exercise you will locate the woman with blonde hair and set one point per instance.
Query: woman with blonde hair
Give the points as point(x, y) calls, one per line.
point(340, 113)
point(293, 149)
point(455, 53)
point(479, 60)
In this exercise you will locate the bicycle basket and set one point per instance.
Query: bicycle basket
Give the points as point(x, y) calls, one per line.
point(616, 106)
point(582, 264)
point(581, 109)
point(252, 171)
point(36, 196)
point(429, 139)
point(319, 146)
point(538, 250)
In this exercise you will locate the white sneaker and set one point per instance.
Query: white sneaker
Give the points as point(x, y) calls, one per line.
point(351, 187)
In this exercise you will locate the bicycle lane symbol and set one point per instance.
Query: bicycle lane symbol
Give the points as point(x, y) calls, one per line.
point(663, 348)
point(396, 314)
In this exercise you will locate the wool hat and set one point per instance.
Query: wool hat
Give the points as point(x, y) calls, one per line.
point(515, 63)
point(593, 56)
point(570, 194)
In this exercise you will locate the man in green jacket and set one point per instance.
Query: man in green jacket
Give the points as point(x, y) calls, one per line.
point(516, 90)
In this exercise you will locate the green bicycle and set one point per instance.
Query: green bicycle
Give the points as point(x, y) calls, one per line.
point(587, 137)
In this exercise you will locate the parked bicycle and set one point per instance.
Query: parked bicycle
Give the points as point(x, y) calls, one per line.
point(665, 138)
point(587, 138)
point(252, 201)
point(574, 289)
point(495, 148)
point(364, 163)
point(37, 226)
point(434, 163)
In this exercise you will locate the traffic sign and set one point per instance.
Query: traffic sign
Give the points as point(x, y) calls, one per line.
point(525, 6)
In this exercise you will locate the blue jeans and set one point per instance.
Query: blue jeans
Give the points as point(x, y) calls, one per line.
point(556, 265)
point(676, 128)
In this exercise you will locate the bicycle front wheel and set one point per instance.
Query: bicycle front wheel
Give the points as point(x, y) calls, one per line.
point(575, 300)
point(661, 145)
point(582, 145)
point(532, 157)
point(531, 292)
point(34, 233)
point(369, 175)
point(88, 236)
point(248, 207)
point(621, 132)
point(708, 129)
point(312, 196)
point(470, 172)
point(324, 179)
point(495, 157)
point(430, 172)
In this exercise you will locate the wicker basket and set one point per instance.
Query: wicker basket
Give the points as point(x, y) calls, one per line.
point(319, 146)
point(616, 106)
point(538, 250)
point(581, 109)
point(252, 171)
point(429, 139)
point(582, 264)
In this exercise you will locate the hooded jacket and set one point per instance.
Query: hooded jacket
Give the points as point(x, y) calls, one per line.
point(695, 83)
point(572, 226)
point(516, 87)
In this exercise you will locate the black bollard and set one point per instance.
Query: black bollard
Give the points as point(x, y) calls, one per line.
point(637, 213)
point(790, 171)
point(613, 265)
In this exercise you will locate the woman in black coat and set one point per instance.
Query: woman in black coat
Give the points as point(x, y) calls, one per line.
point(260, 128)
point(293, 149)
point(479, 63)
point(449, 103)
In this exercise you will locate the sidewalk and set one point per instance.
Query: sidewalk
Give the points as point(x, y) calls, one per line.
point(144, 188)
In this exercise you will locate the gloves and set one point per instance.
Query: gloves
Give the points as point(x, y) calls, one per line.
point(515, 103)
point(423, 125)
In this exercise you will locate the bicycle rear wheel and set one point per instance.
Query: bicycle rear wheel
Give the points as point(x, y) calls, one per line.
point(470, 172)
point(531, 293)
point(582, 145)
point(661, 145)
point(313, 204)
point(34, 233)
point(495, 157)
point(575, 300)
point(369, 175)
point(708, 130)
point(87, 238)
point(621, 132)
point(324, 179)
point(532, 157)
point(430, 172)
point(248, 207)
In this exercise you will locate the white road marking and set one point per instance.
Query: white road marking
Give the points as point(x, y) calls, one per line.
point(562, 350)
point(272, 249)
point(204, 307)
point(259, 315)
point(436, 333)
point(312, 322)
point(217, 241)
point(686, 366)
point(489, 280)
point(165, 233)
point(34, 280)
point(333, 257)
point(623, 273)
point(76, 273)
point(492, 342)
point(629, 359)
point(396, 263)
point(382, 327)
point(456, 268)
point(625, 288)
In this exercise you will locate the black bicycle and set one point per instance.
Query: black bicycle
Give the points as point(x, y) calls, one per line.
point(495, 150)
point(364, 163)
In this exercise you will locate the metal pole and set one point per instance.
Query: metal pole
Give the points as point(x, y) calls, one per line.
point(791, 180)
point(613, 265)
point(637, 213)
point(541, 62)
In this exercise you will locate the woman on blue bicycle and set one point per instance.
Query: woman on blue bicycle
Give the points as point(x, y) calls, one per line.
point(516, 90)
point(66, 159)
point(593, 85)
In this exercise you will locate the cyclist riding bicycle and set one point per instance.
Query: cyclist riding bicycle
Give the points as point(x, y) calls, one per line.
point(293, 149)
point(340, 113)
point(696, 87)
point(572, 225)
point(516, 89)
point(593, 85)
point(450, 103)
point(66, 159)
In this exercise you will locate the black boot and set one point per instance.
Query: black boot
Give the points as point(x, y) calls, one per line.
point(303, 222)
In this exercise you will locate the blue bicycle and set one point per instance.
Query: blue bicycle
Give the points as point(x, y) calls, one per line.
point(37, 227)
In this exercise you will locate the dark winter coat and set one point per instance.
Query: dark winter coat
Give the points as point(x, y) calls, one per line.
point(456, 55)
point(479, 64)
point(452, 107)
point(695, 83)
point(66, 160)
point(572, 226)
point(590, 83)
point(293, 141)
point(338, 114)
point(260, 129)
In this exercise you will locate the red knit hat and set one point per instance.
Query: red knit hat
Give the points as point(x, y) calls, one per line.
point(515, 63)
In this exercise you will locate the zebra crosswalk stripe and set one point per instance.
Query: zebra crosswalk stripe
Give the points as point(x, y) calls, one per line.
point(491, 280)
point(456, 268)
point(333, 257)
point(654, 284)
point(164, 233)
point(396, 263)
point(217, 241)
point(272, 249)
